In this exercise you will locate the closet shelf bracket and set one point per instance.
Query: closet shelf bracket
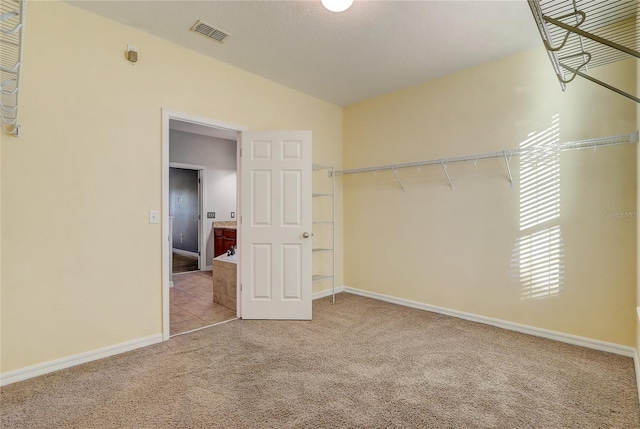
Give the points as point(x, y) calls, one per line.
point(444, 167)
point(506, 162)
point(395, 173)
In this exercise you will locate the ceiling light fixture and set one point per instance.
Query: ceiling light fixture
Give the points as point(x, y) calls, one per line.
point(337, 5)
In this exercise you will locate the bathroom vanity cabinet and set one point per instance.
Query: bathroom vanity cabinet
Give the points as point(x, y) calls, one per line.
point(223, 239)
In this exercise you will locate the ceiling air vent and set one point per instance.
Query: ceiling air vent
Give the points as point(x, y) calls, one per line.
point(210, 32)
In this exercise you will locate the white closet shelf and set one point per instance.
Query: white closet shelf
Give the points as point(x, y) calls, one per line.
point(583, 34)
point(322, 184)
point(11, 40)
point(506, 155)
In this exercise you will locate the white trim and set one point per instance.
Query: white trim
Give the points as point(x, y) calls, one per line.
point(208, 268)
point(69, 361)
point(326, 292)
point(184, 252)
point(526, 329)
point(187, 166)
point(238, 222)
point(205, 327)
point(168, 114)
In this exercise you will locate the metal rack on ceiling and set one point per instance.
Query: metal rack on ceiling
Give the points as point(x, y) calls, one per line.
point(581, 35)
point(12, 14)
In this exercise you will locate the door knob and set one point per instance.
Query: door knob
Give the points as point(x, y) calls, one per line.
point(306, 235)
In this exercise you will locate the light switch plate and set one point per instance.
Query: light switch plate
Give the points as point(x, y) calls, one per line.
point(211, 215)
point(153, 216)
point(233, 215)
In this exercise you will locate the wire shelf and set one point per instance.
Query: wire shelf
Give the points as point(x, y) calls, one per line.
point(585, 34)
point(505, 155)
point(11, 35)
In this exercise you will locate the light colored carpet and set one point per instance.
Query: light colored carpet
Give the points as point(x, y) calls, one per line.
point(359, 363)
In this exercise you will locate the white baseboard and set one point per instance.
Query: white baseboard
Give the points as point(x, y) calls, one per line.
point(525, 329)
point(14, 376)
point(185, 252)
point(208, 268)
point(327, 292)
point(69, 361)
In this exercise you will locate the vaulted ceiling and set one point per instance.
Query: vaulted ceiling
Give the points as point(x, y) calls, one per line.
point(373, 48)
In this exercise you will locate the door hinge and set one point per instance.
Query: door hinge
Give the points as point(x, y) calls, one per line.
point(199, 180)
point(198, 253)
point(240, 287)
point(199, 217)
point(240, 152)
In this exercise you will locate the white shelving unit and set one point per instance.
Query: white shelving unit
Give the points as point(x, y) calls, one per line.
point(12, 13)
point(324, 194)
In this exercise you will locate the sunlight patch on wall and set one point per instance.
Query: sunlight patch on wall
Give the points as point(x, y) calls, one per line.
point(540, 263)
point(539, 255)
point(540, 177)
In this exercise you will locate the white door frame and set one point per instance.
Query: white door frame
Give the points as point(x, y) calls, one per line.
point(167, 115)
point(202, 191)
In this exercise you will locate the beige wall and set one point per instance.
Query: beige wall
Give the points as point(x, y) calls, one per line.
point(87, 165)
point(81, 265)
point(638, 236)
point(3, 139)
point(464, 249)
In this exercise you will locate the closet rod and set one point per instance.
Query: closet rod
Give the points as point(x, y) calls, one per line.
point(505, 154)
point(601, 83)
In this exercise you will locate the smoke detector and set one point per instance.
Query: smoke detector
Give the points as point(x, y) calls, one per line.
point(210, 32)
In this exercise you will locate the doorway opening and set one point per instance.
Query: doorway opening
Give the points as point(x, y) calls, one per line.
point(199, 192)
point(185, 215)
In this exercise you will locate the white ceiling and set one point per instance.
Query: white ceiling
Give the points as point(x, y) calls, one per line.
point(373, 48)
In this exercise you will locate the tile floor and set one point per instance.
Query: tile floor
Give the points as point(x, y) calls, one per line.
point(191, 303)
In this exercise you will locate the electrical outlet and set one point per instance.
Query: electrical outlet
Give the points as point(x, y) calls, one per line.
point(211, 215)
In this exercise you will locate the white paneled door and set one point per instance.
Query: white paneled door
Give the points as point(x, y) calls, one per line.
point(275, 229)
